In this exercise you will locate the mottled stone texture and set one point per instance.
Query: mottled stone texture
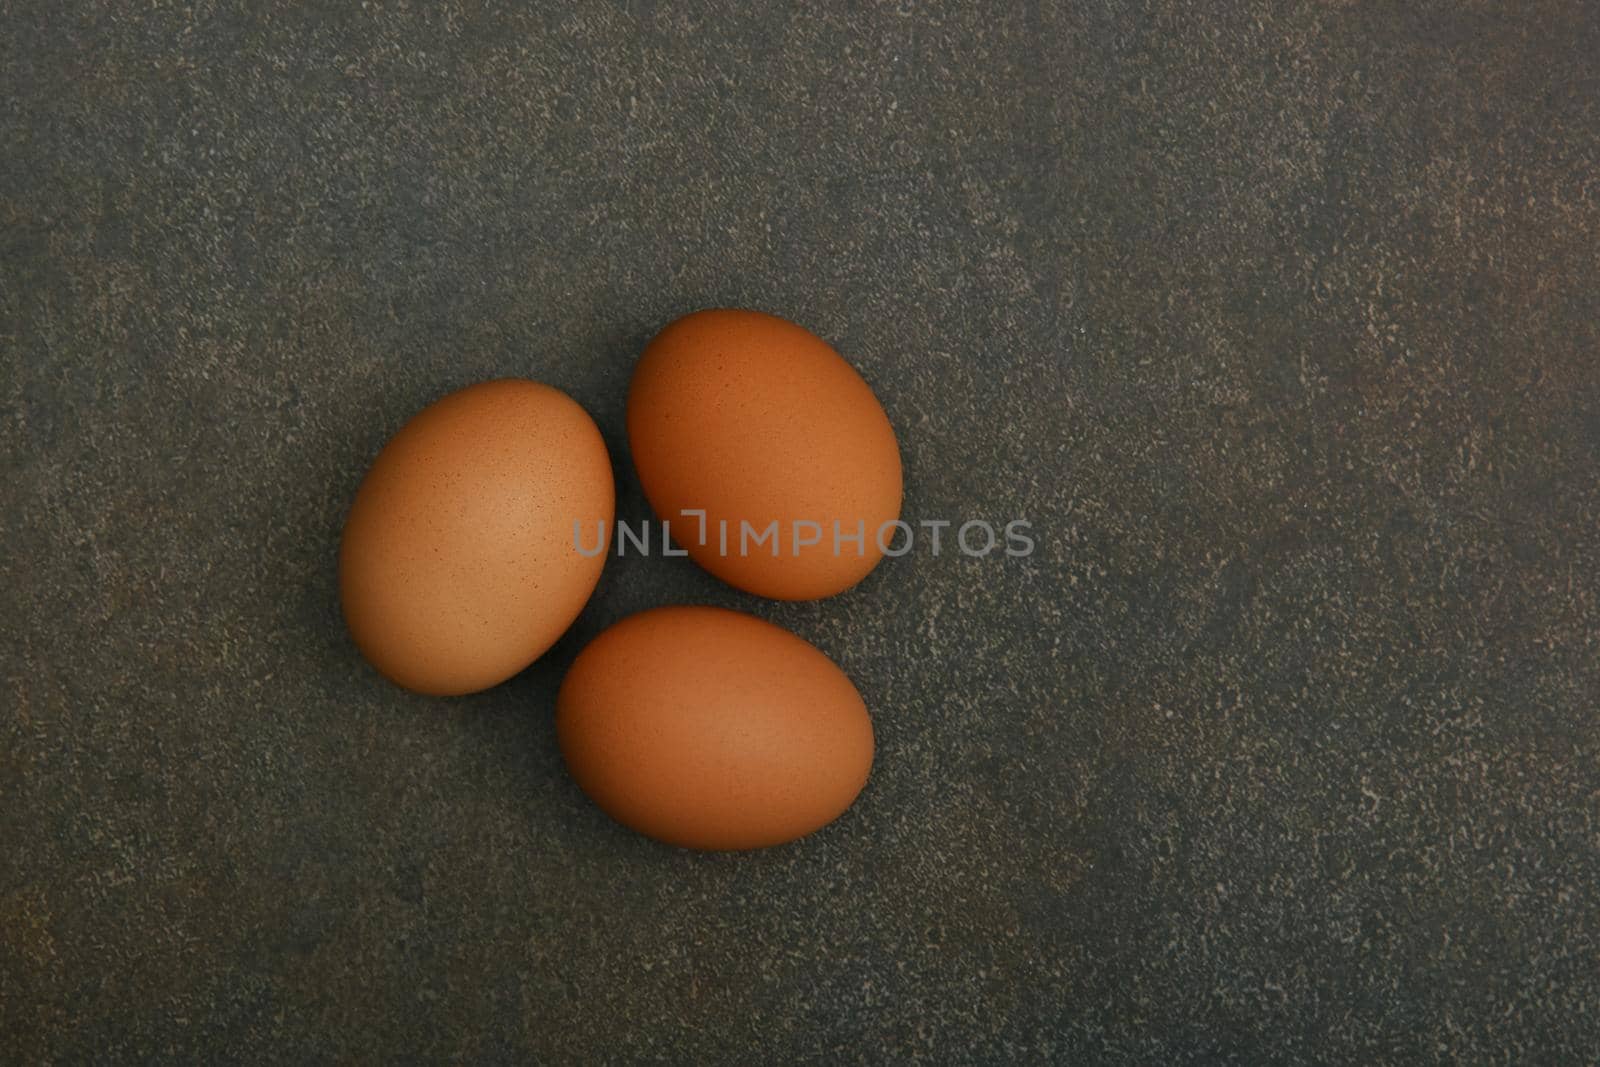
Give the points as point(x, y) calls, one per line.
point(1279, 321)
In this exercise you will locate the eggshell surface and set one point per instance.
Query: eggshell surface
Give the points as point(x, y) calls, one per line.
point(459, 566)
point(755, 420)
point(713, 729)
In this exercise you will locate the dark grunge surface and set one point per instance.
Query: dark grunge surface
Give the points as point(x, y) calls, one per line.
point(1278, 321)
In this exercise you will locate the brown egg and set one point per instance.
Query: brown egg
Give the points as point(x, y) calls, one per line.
point(757, 421)
point(459, 564)
point(712, 729)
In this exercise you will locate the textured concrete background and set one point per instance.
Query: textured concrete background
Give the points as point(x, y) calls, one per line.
point(1279, 321)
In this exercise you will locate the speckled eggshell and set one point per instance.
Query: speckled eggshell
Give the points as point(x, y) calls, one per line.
point(753, 419)
point(458, 566)
point(713, 729)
